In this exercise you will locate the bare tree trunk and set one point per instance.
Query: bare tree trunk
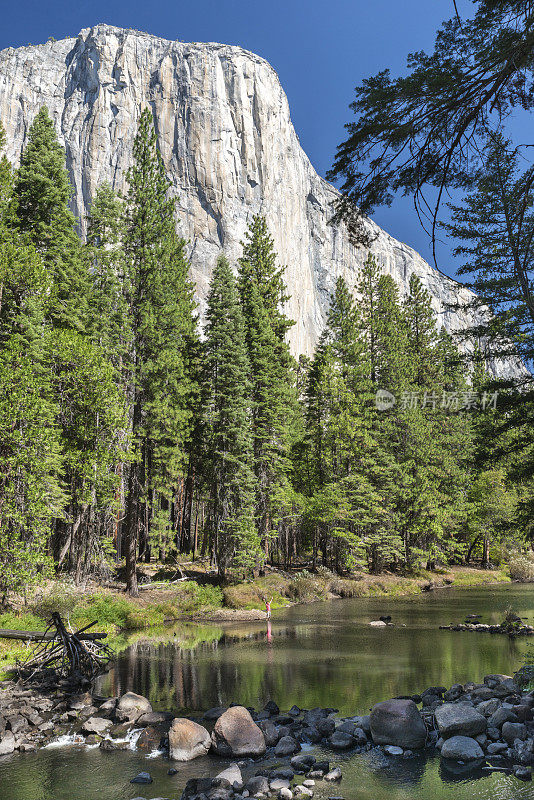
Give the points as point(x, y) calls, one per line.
point(132, 530)
point(485, 552)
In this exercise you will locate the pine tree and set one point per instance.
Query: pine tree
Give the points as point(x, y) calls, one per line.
point(228, 428)
point(109, 313)
point(258, 264)
point(31, 494)
point(272, 374)
point(162, 386)
point(422, 333)
point(350, 475)
point(42, 193)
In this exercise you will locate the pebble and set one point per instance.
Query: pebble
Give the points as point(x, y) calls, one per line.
point(392, 750)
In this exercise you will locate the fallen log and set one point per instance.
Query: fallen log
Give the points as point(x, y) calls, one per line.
point(38, 636)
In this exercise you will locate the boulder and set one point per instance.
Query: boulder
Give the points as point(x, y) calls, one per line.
point(311, 735)
point(107, 708)
point(459, 719)
point(303, 763)
point(150, 739)
point(398, 722)
point(287, 746)
point(236, 734)
point(454, 693)
point(257, 785)
point(187, 740)
point(7, 743)
point(378, 623)
point(232, 774)
point(523, 773)
point(499, 717)
point(110, 745)
point(461, 748)
point(341, 740)
point(524, 751)
point(96, 725)
point(270, 732)
point(279, 783)
point(489, 707)
point(512, 731)
point(131, 706)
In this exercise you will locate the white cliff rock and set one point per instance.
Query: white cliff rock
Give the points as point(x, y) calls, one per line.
point(229, 146)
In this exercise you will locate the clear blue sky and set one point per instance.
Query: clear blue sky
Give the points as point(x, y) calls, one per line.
point(321, 50)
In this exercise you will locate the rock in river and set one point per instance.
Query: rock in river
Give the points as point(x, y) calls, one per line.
point(398, 722)
point(131, 706)
point(188, 740)
point(236, 734)
point(459, 719)
point(461, 748)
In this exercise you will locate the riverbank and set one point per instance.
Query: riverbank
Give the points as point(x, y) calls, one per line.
point(191, 599)
point(471, 726)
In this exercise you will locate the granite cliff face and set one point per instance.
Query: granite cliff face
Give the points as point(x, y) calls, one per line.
point(229, 146)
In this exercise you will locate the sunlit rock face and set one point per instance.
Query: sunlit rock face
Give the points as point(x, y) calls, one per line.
point(229, 146)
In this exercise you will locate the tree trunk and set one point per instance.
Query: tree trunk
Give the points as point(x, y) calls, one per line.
point(485, 552)
point(131, 532)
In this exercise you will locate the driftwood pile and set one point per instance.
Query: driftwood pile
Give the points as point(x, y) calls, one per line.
point(63, 656)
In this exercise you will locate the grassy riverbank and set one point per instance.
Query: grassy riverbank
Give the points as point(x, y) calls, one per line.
point(194, 600)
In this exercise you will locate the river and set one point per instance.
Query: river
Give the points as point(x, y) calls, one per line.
point(322, 654)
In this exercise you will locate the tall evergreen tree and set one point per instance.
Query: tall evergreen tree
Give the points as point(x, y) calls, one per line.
point(272, 373)
point(42, 193)
point(164, 330)
point(228, 428)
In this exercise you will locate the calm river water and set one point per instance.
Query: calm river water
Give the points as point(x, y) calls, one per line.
point(323, 654)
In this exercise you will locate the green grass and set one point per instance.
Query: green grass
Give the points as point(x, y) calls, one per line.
point(481, 578)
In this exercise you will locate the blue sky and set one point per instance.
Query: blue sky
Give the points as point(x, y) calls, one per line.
point(321, 51)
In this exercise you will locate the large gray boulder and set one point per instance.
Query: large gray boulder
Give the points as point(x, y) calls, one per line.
point(461, 748)
point(270, 732)
point(236, 734)
point(459, 719)
point(512, 731)
point(499, 717)
point(398, 722)
point(232, 774)
point(96, 725)
point(187, 740)
point(131, 706)
point(7, 743)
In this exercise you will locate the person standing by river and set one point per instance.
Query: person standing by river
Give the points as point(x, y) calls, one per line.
point(268, 606)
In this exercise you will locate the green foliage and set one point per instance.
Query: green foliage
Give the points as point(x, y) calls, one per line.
point(42, 191)
point(275, 411)
point(228, 427)
point(161, 385)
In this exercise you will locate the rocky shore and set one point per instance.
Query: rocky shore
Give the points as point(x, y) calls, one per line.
point(473, 726)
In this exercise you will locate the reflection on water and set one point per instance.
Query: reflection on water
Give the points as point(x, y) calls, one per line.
point(324, 654)
point(321, 654)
